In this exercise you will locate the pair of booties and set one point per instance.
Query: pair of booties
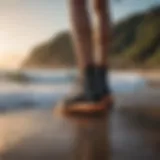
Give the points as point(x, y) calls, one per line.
point(95, 94)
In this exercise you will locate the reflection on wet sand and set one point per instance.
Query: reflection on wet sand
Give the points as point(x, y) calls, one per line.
point(92, 141)
point(39, 134)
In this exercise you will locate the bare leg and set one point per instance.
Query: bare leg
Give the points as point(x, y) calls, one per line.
point(101, 8)
point(102, 45)
point(81, 31)
point(94, 86)
point(88, 99)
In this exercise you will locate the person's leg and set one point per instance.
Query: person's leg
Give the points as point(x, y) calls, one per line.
point(82, 39)
point(81, 32)
point(103, 31)
point(103, 35)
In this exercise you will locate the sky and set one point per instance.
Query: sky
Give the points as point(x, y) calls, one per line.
point(25, 23)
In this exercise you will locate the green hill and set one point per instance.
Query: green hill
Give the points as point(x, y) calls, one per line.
point(136, 43)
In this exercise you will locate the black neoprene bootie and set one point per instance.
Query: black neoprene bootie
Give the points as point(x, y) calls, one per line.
point(88, 99)
point(102, 81)
point(102, 84)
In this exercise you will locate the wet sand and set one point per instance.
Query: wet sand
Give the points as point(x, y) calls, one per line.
point(130, 131)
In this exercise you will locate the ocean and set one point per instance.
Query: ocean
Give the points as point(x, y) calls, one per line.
point(44, 88)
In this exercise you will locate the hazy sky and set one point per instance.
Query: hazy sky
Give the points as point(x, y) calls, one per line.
point(24, 23)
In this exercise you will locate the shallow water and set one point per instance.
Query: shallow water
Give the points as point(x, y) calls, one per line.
point(44, 88)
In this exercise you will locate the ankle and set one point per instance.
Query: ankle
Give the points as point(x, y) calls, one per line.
point(102, 80)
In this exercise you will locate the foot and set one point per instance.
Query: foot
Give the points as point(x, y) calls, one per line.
point(103, 88)
point(88, 100)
